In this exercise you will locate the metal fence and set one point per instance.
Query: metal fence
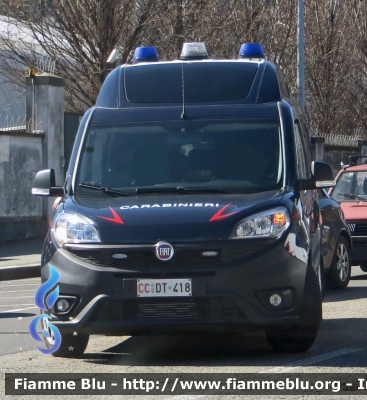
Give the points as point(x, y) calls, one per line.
point(17, 124)
point(12, 123)
point(341, 140)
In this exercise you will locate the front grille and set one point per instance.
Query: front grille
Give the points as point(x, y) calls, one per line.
point(198, 308)
point(140, 258)
point(184, 256)
point(359, 230)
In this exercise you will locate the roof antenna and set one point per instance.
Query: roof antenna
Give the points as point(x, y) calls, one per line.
point(183, 115)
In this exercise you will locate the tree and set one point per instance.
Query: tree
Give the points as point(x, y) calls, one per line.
point(330, 67)
point(78, 35)
point(358, 36)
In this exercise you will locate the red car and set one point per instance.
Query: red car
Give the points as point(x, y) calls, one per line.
point(351, 192)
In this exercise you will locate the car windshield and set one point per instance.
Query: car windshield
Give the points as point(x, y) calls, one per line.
point(243, 156)
point(351, 186)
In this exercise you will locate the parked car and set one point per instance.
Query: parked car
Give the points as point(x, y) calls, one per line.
point(336, 243)
point(351, 192)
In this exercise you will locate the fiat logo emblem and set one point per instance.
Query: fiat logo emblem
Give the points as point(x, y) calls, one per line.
point(164, 251)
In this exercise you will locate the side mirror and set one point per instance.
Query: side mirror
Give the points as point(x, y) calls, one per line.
point(322, 177)
point(45, 184)
point(322, 174)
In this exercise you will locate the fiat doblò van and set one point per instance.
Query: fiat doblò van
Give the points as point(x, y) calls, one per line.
point(189, 205)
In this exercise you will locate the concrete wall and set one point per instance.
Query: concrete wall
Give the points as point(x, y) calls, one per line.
point(337, 149)
point(21, 214)
point(22, 155)
point(45, 112)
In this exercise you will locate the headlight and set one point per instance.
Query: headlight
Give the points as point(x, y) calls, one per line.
point(72, 228)
point(270, 223)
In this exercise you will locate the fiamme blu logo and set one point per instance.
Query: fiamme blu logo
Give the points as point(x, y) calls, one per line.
point(45, 298)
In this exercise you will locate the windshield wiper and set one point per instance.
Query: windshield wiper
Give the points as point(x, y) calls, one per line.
point(180, 190)
point(353, 196)
point(111, 192)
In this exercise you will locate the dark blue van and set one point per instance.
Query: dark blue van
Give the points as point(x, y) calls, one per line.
point(189, 205)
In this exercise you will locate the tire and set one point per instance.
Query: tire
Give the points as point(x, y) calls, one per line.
point(340, 268)
point(363, 266)
point(72, 346)
point(302, 336)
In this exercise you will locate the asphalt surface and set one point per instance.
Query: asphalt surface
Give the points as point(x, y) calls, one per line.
point(20, 260)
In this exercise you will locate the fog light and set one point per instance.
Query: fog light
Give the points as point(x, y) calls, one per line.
point(275, 300)
point(62, 305)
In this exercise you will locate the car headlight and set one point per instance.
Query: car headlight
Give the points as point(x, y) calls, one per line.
point(72, 228)
point(270, 223)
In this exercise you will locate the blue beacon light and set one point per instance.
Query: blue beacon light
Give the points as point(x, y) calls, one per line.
point(145, 54)
point(251, 50)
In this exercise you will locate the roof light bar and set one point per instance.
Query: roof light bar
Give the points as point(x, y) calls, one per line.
point(145, 54)
point(194, 51)
point(251, 51)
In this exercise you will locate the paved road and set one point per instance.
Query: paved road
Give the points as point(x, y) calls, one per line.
point(341, 345)
point(17, 308)
point(20, 260)
point(28, 253)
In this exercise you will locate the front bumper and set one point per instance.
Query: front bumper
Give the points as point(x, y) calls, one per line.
point(227, 295)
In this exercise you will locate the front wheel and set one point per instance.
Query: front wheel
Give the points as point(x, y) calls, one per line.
point(340, 269)
point(363, 266)
point(302, 336)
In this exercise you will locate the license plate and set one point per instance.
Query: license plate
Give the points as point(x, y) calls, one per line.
point(164, 287)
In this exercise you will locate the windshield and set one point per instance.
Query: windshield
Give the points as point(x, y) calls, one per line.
point(243, 156)
point(351, 186)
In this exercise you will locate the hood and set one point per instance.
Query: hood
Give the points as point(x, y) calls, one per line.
point(148, 219)
point(354, 210)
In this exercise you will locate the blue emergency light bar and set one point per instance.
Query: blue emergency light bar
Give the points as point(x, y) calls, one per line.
point(145, 54)
point(251, 50)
